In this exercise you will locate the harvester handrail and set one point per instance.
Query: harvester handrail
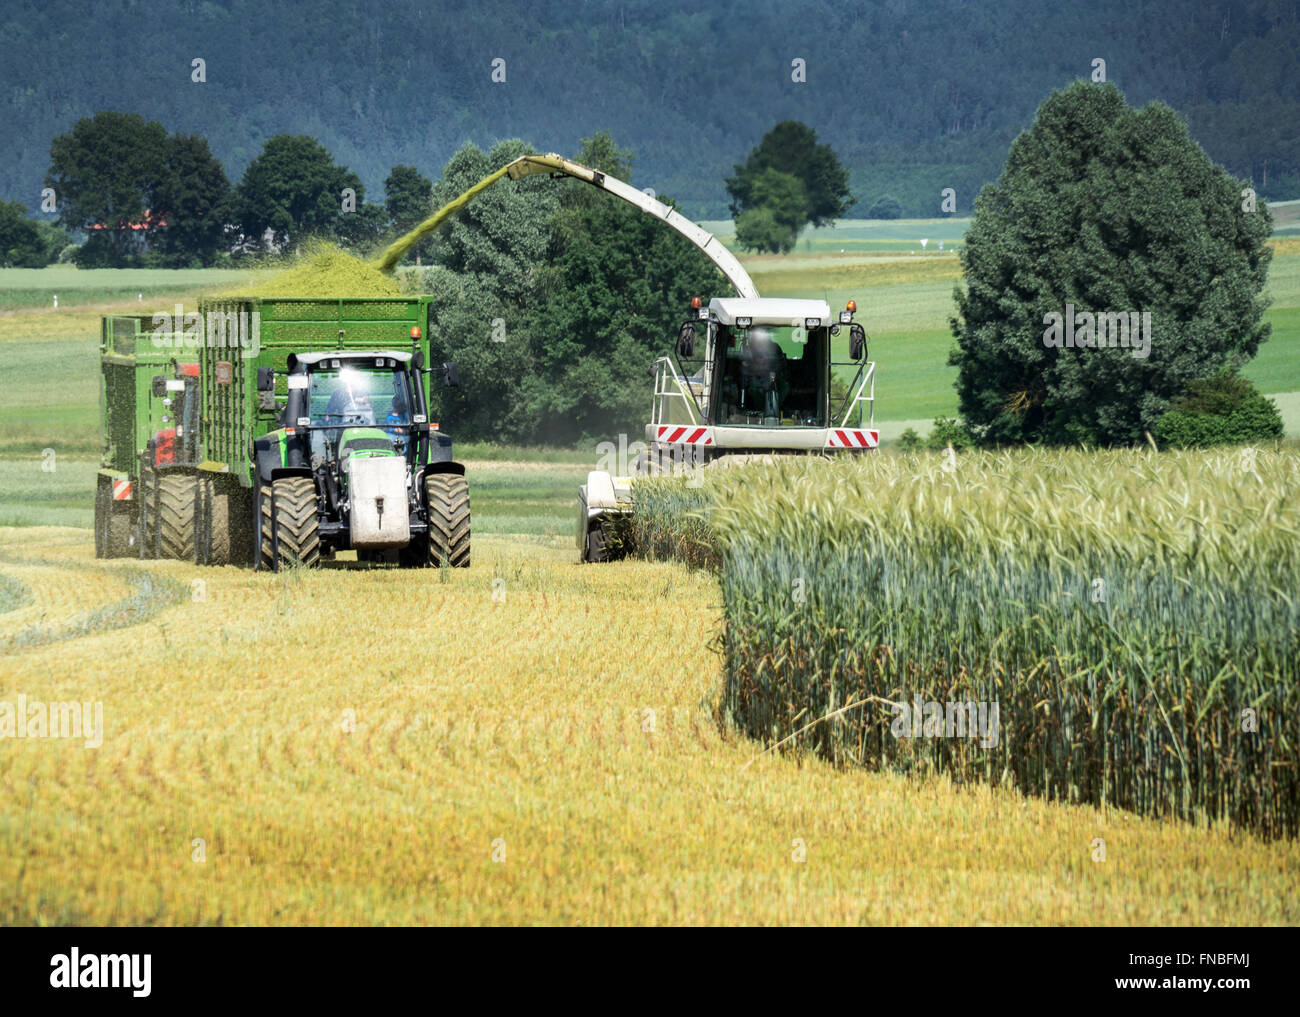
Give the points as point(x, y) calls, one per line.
point(664, 366)
point(866, 373)
point(526, 165)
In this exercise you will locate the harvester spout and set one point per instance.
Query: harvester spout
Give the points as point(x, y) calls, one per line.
point(526, 165)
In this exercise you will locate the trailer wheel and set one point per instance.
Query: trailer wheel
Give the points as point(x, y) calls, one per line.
point(447, 497)
point(289, 518)
point(112, 524)
point(216, 523)
point(145, 531)
point(175, 523)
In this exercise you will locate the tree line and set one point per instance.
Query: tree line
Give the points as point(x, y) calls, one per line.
point(143, 197)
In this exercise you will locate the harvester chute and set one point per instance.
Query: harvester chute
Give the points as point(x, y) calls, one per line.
point(527, 165)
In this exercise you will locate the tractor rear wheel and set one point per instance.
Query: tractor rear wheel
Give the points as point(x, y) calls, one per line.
point(447, 497)
point(175, 522)
point(294, 523)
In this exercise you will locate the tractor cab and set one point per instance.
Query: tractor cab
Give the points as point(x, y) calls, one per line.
point(358, 404)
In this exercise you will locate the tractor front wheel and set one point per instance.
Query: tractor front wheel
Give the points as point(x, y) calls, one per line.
point(446, 495)
point(290, 520)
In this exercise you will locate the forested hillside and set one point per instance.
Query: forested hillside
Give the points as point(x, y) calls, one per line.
point(913, 96)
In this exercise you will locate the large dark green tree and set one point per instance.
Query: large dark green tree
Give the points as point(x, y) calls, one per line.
point(778, 212)
point(791, 147)
point(295, 189)
point(1109, 209)
point(105, 173)
point(485, 277)
point(408, 201)
point(193, 197)
point(554, 298)
point(617, 285)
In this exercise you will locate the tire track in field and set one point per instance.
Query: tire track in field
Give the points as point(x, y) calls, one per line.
point(149, 593)
point(14, 594)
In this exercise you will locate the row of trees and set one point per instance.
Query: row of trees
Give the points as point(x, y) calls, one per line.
point(143, 196)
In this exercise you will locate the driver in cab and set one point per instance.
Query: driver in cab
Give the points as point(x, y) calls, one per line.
point(350, 402)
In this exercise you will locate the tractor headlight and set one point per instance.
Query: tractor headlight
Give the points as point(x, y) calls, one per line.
point(812, 323)
point(846, 317)
point(744, 322)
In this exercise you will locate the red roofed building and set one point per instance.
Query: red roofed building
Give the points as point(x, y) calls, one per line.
point(138, 237)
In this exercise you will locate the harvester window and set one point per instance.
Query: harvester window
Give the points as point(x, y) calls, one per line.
point(771, 377)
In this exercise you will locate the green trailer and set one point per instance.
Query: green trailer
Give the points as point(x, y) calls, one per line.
point(149, 409)
point(315, 436)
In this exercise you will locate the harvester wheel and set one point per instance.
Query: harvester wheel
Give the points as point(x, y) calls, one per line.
point(447, 497)
point(175, 520)
point(296, 524)
point(598, 543)
point(112, 524)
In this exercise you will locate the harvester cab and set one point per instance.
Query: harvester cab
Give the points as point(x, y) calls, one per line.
point(747, 376)
point(356, 464)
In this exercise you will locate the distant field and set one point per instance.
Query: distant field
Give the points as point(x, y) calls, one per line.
point(905, 303)
point(1286, 217)
point(856, 235)
point(36, 287)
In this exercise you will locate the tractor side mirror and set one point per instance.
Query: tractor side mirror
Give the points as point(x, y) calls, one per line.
point(417, 360)
point(159, 386)
point(857, 342)
point(686, 341)
point(266, 379)
point(450, 376)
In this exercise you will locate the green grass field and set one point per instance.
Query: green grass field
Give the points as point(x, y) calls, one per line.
point(75, 287)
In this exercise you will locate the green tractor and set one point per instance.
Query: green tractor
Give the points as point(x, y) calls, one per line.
point(355, 466)
point(317, 440)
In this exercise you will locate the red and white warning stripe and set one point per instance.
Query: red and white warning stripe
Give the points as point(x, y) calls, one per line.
point(675, 435)
point(847, 437)
point(121, 490)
